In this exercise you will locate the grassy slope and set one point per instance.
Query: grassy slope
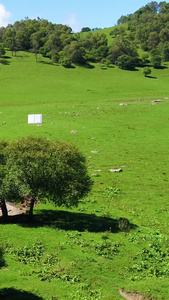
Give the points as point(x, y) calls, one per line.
point(133, 137)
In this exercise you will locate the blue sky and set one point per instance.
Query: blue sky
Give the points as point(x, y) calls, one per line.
point(75, 13)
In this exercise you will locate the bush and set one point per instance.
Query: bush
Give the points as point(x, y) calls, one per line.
point(146, 71)
point(125, 62)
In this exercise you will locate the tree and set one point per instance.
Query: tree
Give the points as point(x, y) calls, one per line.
point(165, 51)
point(146, 71)
point(2, 50)
point(114, 32)
point(164, 7)
point(64, 61)
point(37, 41)
point(122, 46)
point(76, 53)
point(155, 59)
point(153, 40)
point(43, 169)
point(125, 62)
point(164, 35)
point(85, 29)
point(145, 58)
point(95, 45)
point(10, 38)
point(123, 19)
point(2, 32)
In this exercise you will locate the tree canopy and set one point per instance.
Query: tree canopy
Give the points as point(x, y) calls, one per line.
point(43, 170)
point(51, 40)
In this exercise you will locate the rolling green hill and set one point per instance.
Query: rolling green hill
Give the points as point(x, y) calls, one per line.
point(117, 238)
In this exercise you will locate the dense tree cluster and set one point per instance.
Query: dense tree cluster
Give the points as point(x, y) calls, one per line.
point(147, 28)
point(54, 41)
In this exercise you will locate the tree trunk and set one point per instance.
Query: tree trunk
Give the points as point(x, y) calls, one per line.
point(31, 207)
point(36, 55)
point(4, 209)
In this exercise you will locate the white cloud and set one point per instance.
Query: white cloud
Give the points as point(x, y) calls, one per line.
point(73, 22)
point(4, 16)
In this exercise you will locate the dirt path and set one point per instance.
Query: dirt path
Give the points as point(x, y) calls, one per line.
point(14, 209)
point(132, 296)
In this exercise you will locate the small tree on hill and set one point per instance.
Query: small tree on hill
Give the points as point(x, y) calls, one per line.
point(85, 29)
point(146, 71)
point(155, 59)
point(43, 169)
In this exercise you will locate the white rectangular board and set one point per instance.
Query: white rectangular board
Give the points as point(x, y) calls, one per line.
point(35, 119)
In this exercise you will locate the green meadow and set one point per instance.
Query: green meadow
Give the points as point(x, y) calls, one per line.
point(117, 238)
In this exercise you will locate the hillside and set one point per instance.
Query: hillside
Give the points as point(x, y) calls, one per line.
point(116, 241)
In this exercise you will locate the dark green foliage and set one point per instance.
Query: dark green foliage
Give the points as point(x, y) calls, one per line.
point(65, 62)
point(122, 46)
point(41, 36)
point(125, 62)
point(124, 224)
point(85, 29)
point(114, 32)
point(123, 19)
point(75, 52)
point(163, 7)
point(145, 58)
point(153, 40)
point(165, 51)
point(54, 55)
point(149, 27)
point(155, 59)
point(164, 35)
point(2, 50)
point(95, 46)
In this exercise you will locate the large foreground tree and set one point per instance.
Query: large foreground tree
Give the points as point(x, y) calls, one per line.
point(44, 170)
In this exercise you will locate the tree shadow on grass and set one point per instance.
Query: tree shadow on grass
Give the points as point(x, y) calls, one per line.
point(46, 62)
point(161, 68)
point(2, 261)
point(86, 65)
point(68, 221)
point(5, 62)
point(151, 77)
point(6, 57)
point(13, 294)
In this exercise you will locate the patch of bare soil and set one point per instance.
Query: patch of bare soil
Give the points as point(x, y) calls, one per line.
point(14, 210)
point(132, 296)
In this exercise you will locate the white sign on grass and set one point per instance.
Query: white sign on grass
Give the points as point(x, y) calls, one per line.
point(35, 119)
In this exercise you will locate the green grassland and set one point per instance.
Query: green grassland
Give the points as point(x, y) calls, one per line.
point(85, 253)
